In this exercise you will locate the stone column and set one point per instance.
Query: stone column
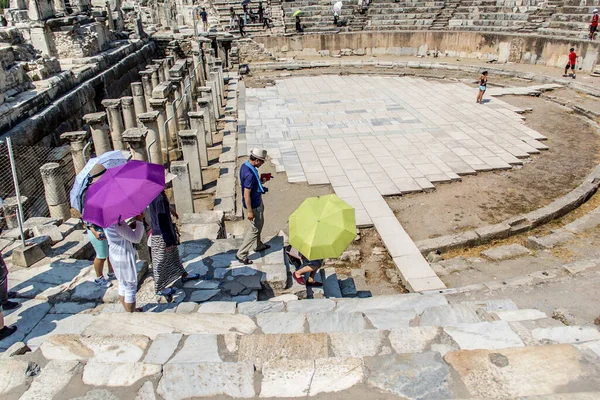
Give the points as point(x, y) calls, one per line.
point(173, 125)
point(207, 97)
point(181, 122)
point(197, 124)
point(149, 121)
point(182, 187)
point(147, 85)
point(54, 188)
point(115, 122)
point(197, 57)
point(158, 105)
point(97, 123)
point(139, 101)
point(111, 21)
point(11, 209)
point(128, 112)
point(135, 138)
point(154, 76)
point(204, 109)
point(214, 84)
point(77, 143)
point(161, 68)
point(219, 70)
point(189, 146)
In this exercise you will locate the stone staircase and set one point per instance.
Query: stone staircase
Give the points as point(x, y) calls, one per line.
point(442, 19)
point(489, 15)
point(407, 346)
point(402, 15)
point(540, 17)
point(222, 8)
point(317, 15)
point(570, 19)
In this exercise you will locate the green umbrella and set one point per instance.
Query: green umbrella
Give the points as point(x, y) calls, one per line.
point(297, 12)
point(322, 227)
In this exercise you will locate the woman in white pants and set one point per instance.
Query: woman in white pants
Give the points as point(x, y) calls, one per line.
point(122, 254)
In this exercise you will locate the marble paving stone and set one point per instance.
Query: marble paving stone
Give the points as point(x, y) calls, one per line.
point(54, 324)
point(54, 378)
point(484, 335)
point(26, 317)
point(252, 309)
point(217, 307)
point(101, 348)
point(413, 339)
point(390, 319)
point(357, 344)
point(13, 373)
point(96, 373)
point(310, 305)
point(184, 381)
point(566, 334)
point(197, 348)
point(335, 322)
point(146, 392)
point(162, 348)
point(335, 374)
point(449, 315)
point(281, 322)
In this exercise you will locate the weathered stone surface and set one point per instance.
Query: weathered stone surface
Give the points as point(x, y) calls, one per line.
point(284, 298)
point(521, 315)
point(104, 348)
point(146, 392)
point(484, 335)
point(98, 373)
point(251, 282)
point(413, 339)
point(511, 373)
point(359, 344)
point(198, 349)
point(286, 378)
point(98, 394)
point(54, 377)
point(311, 305)
point(261, 348)
point(51, 231)
point(183, 381)
point(336, 322)
point(217, 307)
point(27, 317)
point(417, 302)
point(13, 373)
point(71, 308)
point(505, 252)
point(201, 284)
point(449, 315)
point(151, 324)
point(281, 322)
point(492, 305)
point(252, 309)
point(388, 319)
point(566, 334)
point(415, 376)
point(162, 348)
point(204, 295)
point(55, 324)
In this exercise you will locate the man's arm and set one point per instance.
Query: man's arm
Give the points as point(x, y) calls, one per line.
point(248, 204)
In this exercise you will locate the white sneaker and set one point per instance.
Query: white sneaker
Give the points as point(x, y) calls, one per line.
point(111, 276)
point(102, 282)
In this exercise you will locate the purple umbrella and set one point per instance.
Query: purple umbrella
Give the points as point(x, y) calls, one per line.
point(123, 192)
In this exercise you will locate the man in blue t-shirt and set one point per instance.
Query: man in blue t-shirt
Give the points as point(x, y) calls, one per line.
point(204, 18)
point(252, 191)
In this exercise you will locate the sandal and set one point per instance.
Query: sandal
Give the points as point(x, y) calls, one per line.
point(245, 261)
point(299, 279)
point(314, 283)
point(265, 247)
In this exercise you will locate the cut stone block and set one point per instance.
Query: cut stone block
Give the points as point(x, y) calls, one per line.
point(14, 373)
point(52, 231)
point(417, 302)
point(98, 373)
point(102, 348)
point(184, 381)
point(217, 307)
point(413, 339)
point(262, 348)
point(566, 334)
point(517, 372)
point(548, 241)
point(55, 324)
point(521, 315)
point(311, 305)
point(198, 349)
point(336, 322)
point(448, 315)
point(162, 348)
point(360, 344)
point(505, 252)
point(390, 319)
point(33, 251)
point(413, 376)
point(252, 309)
point(280, 322)
point(204, 295)
point(54, 378)
point(484, 335)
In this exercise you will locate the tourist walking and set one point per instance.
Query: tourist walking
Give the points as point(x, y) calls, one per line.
point(241, 25)
point(252, 191)
point(120, 241)
point(304, 266)
point(571, 63)
point(482, 86)
point(166, 263)
point(299, 27)
point(232, 18)
point(261, 12)
point(204, 18)
point(267, 20)
point(594, 24)
point(5, 294)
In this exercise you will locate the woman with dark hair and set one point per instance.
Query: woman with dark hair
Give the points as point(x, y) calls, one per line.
point(482, 86)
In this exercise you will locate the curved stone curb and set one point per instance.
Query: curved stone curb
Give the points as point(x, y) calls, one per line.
point(518, 224)
point(296, 65)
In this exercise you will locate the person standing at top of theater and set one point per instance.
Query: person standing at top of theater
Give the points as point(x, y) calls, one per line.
point(594, 24)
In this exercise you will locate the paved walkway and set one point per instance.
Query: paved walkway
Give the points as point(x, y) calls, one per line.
point(371, 136)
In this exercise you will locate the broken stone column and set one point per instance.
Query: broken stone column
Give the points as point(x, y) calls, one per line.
point(219, 71)
point(197, 124)
point(76, 143)
point(158, 105)
point(139, 101)
point(10, 208)
point(135, 138)
point(182, 187)
point(214, 84)
point(172, 125)
point(111, 21)
point(115, 122)
point(97, 123)
point(190, 140)
point(207, 98)
point(197, 57)
point(204, 109)
point(54, 188)
point(154, 76)
point(149, 121)
point(128, 112)
point(147, 85)
point(161, 63)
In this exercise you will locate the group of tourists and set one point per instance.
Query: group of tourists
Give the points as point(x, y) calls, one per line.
point(261, 16)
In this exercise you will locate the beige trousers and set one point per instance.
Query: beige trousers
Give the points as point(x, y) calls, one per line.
point(252, 235)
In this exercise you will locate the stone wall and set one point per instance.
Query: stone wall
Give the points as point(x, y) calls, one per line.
point(72, 96)
point(81, 41)
point(527, 49)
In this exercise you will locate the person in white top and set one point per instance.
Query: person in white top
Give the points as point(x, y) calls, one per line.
point(122, 254)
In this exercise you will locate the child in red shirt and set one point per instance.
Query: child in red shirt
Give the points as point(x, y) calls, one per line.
point(594, 24)
point(571, 63)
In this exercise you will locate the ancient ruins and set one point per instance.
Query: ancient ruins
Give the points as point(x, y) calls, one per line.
point(475, 270)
